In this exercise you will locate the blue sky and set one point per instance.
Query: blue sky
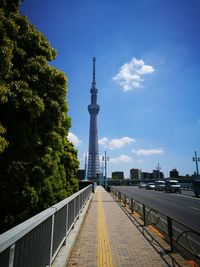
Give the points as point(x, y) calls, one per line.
point(147, 73)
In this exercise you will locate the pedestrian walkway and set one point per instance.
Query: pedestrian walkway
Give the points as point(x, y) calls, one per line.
point(108, 238)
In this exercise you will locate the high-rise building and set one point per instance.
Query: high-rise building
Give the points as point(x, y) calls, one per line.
point(135, 174)
point(146, 176)
point(93, 108)
point(118, 175)
point(173, 173)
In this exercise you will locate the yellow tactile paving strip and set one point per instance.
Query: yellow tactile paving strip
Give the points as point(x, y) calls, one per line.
point(104, 256)
point(108, 238)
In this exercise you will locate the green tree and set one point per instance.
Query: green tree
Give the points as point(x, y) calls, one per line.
point(37, 163)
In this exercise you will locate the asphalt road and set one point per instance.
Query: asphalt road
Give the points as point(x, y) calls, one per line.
point(184, 208)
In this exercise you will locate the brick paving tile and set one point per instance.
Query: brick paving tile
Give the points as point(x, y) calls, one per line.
point(129, 248)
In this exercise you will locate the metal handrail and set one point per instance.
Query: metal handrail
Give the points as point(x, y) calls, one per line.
point(170, 223)
point(44, 233)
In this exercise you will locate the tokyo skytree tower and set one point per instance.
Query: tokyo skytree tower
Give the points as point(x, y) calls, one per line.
point(93, 108)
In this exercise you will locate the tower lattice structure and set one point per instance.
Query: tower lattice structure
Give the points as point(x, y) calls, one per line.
point(93, 108)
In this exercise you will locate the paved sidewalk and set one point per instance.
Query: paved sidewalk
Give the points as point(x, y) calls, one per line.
point(108, 238)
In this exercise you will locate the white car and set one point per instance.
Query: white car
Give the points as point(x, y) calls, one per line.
point(172, 186)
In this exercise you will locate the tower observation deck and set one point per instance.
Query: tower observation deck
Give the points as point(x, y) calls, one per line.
point(93, 108)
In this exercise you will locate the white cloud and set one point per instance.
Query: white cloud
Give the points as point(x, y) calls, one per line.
point(116, 143)
point(145, 69)
point(103, 141)
point(74, 139)
point(140, 161)
point(119, 143)
point(130, 75)
point(120, 159)
point(148, 152)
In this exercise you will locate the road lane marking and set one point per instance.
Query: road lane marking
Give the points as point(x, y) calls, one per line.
point(192, 197)
point(193, 208)
point(104, 257)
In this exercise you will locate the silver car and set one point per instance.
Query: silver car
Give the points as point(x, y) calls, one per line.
point(159, 185)
point(150, 186)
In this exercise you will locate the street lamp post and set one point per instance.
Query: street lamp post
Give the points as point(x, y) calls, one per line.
point(102, 171)
point(196, 159)
point(158, 168)
point(105, 158)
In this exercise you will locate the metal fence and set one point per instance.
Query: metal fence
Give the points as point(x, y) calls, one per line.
point(177, 234)
point(36, 242)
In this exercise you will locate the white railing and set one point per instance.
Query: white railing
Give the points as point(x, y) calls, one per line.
point(36, 242)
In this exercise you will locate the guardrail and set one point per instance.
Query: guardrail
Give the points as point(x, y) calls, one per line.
point(36, 242)
point(176, 234)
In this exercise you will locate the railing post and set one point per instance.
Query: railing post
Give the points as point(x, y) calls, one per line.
point(131, 205)
point(74, 209)
point(170, 232)
point(124, 200)
point(81, 201)
point(67, 208)
point(12, 255)
point(119, 196)
point(144, 214)
point(51, 247)
point(79, 207)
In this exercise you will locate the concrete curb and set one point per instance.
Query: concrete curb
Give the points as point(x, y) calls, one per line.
point(63, 256)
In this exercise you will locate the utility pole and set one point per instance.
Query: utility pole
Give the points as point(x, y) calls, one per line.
point(102, 171)
point(106, 178)
point(196, 159)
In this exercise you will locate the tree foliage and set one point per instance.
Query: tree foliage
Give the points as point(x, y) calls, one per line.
point(37, 163)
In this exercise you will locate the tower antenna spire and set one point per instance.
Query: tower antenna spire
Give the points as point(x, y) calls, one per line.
point(94, 59)
point(93, 155)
